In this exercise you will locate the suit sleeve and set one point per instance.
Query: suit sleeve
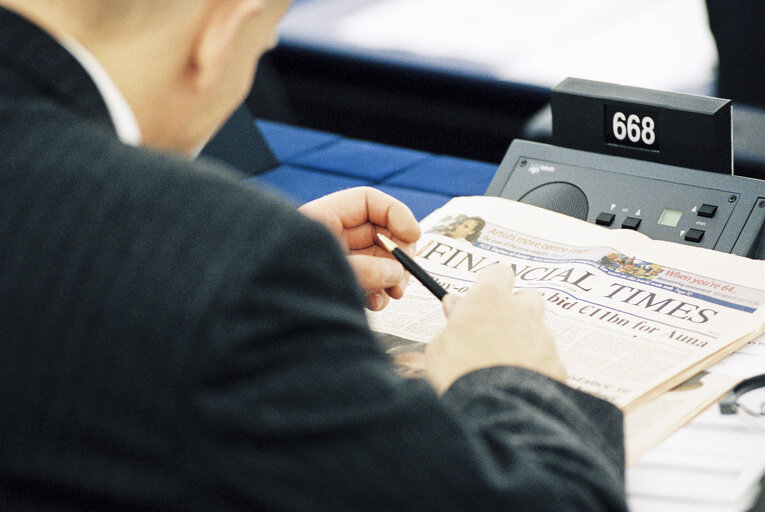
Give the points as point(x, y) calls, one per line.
point(296, 407)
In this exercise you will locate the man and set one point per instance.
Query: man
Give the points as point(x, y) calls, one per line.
point(173, 340)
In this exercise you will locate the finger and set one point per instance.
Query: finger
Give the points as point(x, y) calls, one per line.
point(449, 302)
point(403, 232)
point(389, 212)
point(374, 273)
point(375, 251)
point(402, 223)
point(353, 206)
point(339, 210)
point(360, 237)
point(397, 291)
point(496, 277)
point(377, 300)
point(532, 301)
point(365, 208)
point(529, 296)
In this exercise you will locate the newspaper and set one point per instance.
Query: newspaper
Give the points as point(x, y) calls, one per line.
point(632, 317)
point(647, 425)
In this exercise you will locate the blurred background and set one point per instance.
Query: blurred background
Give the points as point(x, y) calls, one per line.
point(466, 78)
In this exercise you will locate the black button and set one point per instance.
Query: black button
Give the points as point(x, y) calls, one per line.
point(694, 235)
point(707, 210)
point(605, 219)
point(631, 223)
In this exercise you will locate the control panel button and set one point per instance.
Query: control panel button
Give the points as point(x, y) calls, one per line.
point(605, 219)
point(631, 223)
point(694, 235)
point(707, 210)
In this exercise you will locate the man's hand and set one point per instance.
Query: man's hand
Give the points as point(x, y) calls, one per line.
point(492, 326)
point(355, 216)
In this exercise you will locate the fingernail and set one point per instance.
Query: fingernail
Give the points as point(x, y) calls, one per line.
point(374, 301)
point(393, 272)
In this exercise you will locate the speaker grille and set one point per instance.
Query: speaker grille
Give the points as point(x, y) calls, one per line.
point(560, 197)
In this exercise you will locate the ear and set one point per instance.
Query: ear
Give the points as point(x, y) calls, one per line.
point(217, 35)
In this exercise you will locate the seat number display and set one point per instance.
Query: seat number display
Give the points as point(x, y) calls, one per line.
point(630, 128)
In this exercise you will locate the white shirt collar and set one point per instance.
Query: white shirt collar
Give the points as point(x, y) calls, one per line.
point(123, 118)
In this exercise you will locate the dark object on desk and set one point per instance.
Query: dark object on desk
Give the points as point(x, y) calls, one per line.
point(650, 177)
point(685, 130)
point(559, 197)
point(729, 403)
point(670, 202)
point(409, 264)
point(748, 137)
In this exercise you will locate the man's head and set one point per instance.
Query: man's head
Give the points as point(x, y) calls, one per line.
point(183, 65)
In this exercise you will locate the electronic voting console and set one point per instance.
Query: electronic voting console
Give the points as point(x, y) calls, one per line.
point(657, 162)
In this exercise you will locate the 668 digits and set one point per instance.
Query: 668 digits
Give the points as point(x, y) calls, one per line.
point(634, 128)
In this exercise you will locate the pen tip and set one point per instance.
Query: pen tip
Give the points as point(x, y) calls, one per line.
point(387, 242)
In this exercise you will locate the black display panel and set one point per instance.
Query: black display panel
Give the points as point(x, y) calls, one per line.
point(676, 129)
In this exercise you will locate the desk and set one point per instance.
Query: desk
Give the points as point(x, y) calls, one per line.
point(313, 164)
point(710, 465)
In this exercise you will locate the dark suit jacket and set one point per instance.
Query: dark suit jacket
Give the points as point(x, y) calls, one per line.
point(173, 340)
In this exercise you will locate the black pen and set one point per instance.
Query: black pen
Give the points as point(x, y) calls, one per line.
point(417, 271)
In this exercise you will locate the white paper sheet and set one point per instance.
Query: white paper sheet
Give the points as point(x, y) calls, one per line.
point(714, 463)
point(748, 361)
